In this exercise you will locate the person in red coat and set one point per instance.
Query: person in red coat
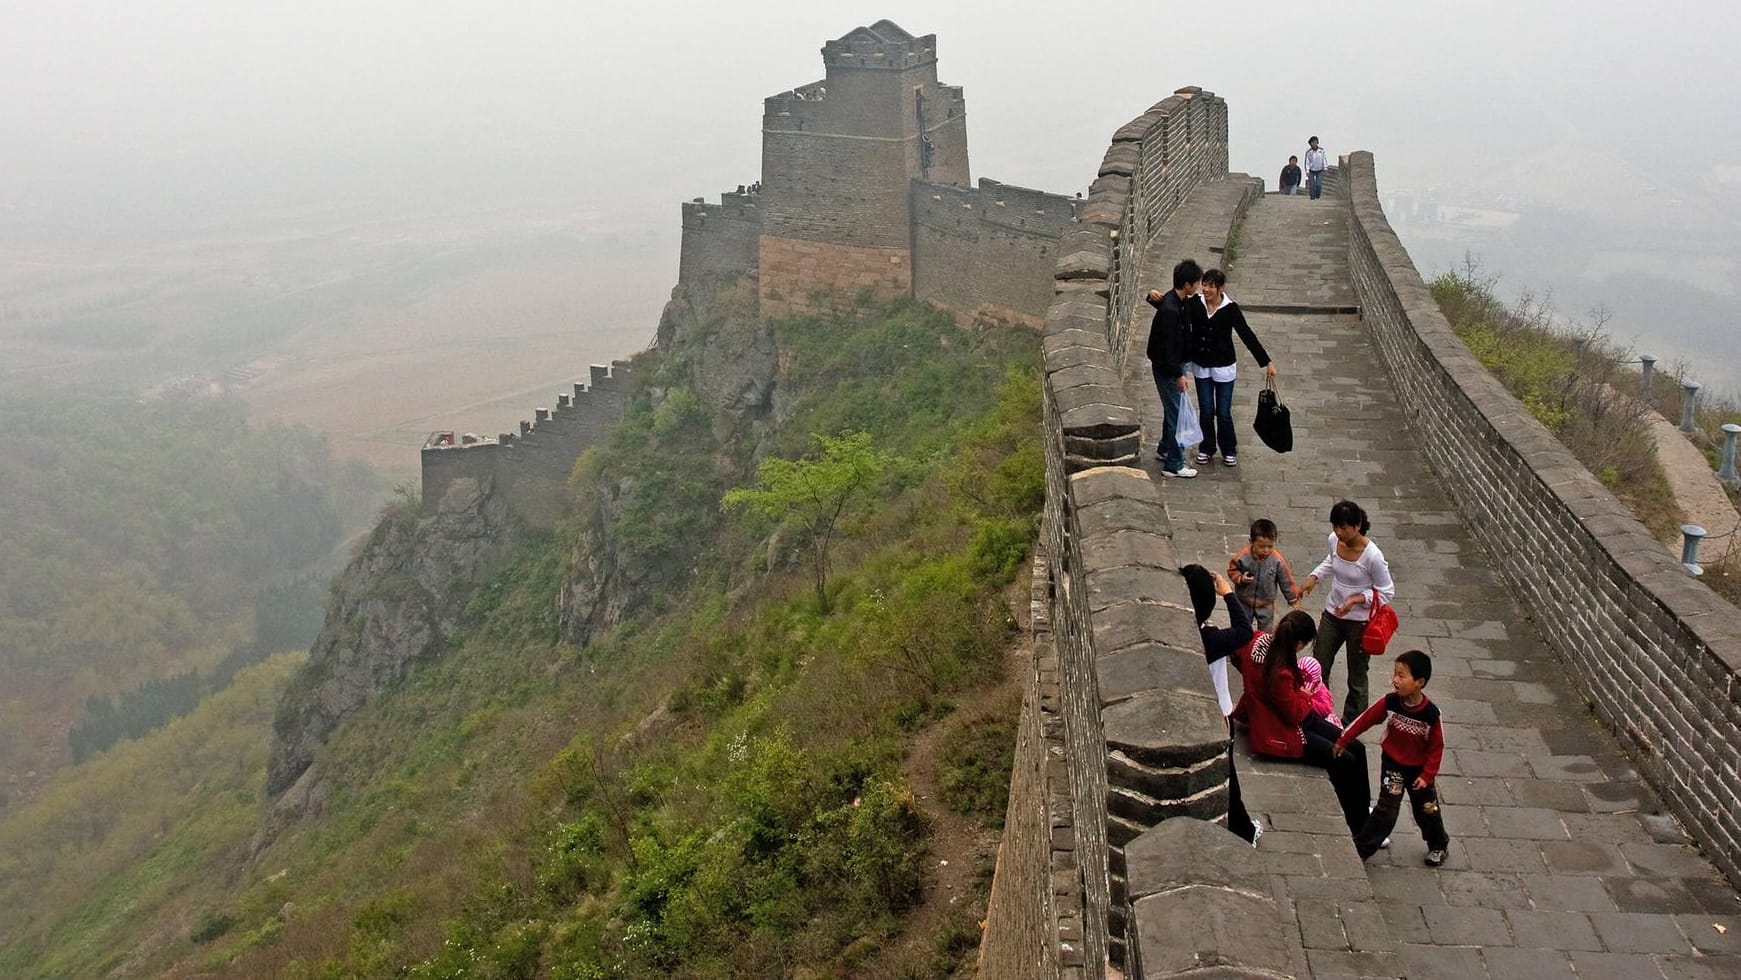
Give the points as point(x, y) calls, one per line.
point(1281, 723)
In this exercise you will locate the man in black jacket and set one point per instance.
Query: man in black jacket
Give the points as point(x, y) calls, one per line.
point(1168, 336)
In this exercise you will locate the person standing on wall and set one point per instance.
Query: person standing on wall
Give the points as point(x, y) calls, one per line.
point(1315, 164)
point(1355, 568)
point(1291, 176)
point(1216, 364)
point(1168, 335)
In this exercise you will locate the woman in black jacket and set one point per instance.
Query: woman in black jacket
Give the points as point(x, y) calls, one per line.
point(1216, 365)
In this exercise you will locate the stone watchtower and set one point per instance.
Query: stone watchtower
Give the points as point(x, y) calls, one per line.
point(837, 159)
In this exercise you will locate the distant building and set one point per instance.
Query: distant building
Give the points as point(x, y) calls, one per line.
point(865, 194)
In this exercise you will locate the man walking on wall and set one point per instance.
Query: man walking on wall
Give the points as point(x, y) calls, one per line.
point(1166, 350)
point(1315, 164)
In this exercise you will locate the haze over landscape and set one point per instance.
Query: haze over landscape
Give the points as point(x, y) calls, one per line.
point(623, 696)
point(385, 220)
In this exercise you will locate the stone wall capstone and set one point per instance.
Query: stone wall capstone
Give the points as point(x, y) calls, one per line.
point(1654, 650)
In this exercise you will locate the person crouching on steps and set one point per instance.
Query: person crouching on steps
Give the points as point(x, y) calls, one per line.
point(1414, 742)
point(1219, 646)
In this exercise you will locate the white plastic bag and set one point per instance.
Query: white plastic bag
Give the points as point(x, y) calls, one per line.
point(1190, 430)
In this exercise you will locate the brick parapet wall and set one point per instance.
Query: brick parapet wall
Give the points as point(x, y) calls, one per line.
point(989, 249)
point(1033, 922)
point(1654, 650)
point(720, 240)
point(1144, 740)
point(530, 467)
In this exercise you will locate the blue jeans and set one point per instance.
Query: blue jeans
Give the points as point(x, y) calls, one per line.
point(1172, 457)
point(1315, 183)
point(1215, 411)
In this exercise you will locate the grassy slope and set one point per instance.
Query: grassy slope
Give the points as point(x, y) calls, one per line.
point(1561, 377)
point(86, 880)
point(487, 821)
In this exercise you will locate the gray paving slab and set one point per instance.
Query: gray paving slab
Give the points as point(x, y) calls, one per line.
point(1562, 861)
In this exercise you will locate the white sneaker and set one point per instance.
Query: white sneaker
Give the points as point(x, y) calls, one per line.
point(1383, 845)
point(1202, 459)
point(1182, 473)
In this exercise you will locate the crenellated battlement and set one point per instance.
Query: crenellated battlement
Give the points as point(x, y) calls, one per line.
point(883, 45)
point(530, 466)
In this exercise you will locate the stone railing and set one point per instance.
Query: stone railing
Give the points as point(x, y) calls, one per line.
point(1138, 736)
point(1653, 650)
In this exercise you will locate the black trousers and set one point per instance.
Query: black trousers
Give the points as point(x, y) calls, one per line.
point(1393, 779)
point(1347, 771)
point(1238, 820)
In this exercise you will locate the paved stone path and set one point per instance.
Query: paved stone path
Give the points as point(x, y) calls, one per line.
point(1562, 863)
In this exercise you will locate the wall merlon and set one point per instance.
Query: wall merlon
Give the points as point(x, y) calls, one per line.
point(1121, 159)
point(1085, 252)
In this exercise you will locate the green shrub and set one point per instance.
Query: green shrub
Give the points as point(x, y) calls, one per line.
point(974, 763)
point(211, 926)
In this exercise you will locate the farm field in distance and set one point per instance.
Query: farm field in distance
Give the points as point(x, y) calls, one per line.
point(373, 333)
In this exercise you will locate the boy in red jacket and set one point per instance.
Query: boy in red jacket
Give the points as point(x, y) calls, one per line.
point(1413, 745)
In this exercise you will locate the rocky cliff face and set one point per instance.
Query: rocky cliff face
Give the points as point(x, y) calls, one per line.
point(403, 598)
point(395, 606)
point(730, 351)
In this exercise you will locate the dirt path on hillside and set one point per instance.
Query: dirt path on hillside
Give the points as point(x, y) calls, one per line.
point(963, 853)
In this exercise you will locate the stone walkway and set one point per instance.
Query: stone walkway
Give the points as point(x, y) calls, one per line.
point(1562, 863)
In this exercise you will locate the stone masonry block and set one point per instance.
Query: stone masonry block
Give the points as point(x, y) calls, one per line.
point(1124, 547)
point(1137, 129)
point(1185, 852)
point(1080, 289)
point(1057, 341)
point(1166, 728)
point(1119, 628)
point(1072, 398)
point(1097, 419)
point(1083, 374)
point(1116, 515)
point(1110, 485)
point(1167, 785)
point(1104, 213)
point(1121, 158)
point(1202, 928)
point(1150, 667)
point(1123, 450)
point(1085, 252)
point(1131, 585)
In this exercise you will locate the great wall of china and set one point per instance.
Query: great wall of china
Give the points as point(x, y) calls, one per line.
point(1604, 849)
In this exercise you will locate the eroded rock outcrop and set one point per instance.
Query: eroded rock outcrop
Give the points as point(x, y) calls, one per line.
point(396, 606)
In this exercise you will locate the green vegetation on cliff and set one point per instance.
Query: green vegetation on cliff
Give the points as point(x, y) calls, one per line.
point(150, 549)
point(1568, 379)
point(653, 750)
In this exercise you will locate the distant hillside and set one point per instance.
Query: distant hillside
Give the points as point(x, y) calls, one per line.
point(149, 547)
point(640, 746)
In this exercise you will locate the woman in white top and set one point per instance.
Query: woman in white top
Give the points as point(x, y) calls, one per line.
point(1354, 567)
point(1216, 365)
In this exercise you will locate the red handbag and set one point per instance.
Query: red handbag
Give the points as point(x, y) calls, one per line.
point(1381, 625)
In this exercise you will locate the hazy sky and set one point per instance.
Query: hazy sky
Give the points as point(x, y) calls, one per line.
point(164, 117)
point(117, 105)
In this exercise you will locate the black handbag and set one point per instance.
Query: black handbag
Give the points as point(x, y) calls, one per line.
point(1273, 424)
